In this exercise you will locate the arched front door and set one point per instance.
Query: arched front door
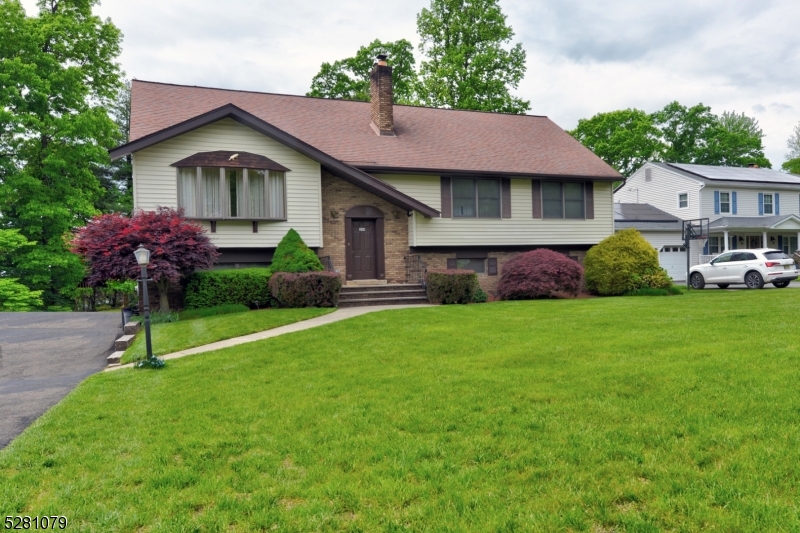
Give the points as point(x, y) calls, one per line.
point(364, 254)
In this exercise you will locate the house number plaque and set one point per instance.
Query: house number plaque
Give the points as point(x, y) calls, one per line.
point(362, 229)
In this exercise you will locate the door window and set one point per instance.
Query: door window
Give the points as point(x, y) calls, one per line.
point(724, 258)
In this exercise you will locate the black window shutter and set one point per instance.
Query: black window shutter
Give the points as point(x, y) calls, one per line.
point(506, 201)
point(492, 266)
point(451, 264)
point(536, 186)
point(590, 199)
point(447, 199)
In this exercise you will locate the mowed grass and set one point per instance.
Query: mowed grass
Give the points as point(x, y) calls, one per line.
point(175, 336)
point(627, 414)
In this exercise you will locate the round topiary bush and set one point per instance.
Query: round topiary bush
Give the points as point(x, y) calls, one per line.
point(622, 263)
point(541, 273)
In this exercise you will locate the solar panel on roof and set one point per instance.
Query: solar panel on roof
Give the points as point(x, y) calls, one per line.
point(739, 173)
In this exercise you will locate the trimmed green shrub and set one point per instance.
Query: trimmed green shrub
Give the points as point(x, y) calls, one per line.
point(480, 296)
point(225, 309)
point(452, 286)
point(540, 273)
point(245, 286)
point(622, 263)
point(292, 255)
point(306, 289)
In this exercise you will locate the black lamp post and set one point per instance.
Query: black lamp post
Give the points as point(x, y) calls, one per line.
point(143, 258)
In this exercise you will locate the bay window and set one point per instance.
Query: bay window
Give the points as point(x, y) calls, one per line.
point(231, 185)
point(232, 193)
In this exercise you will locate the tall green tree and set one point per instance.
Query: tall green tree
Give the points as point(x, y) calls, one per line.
point(468, 62)
point(14, 296)
point(624, 139)
point(58, 75)
point(696, 135)
point(116, 178)
point(349, 78)
point(792, 163)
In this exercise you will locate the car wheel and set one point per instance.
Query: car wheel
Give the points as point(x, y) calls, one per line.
point(722, 285)
point(697, 281)
point(781, 284)
point(753, 280)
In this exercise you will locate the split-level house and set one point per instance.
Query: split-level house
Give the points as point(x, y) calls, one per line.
point(747, 207)
point(379, 191)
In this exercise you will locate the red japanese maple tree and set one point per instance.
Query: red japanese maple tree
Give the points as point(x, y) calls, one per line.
point(177, 247)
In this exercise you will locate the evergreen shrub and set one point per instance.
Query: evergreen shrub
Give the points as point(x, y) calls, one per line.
point(245, 286)
point(622, 263)
point(541, 273)
point(306, 289)
point(452, 286)
point(292, 255)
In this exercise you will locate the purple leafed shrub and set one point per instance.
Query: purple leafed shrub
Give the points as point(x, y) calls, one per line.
point(541, 273)
point(452, 286)
point(306, 289)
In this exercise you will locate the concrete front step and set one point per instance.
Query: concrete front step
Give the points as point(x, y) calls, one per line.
point(131, 328)
point(123, 342)
point(114, 358)
point(389, 300)
point(419, 293)
point(382, 288)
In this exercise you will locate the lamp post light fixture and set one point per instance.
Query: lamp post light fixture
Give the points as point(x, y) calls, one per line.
point(143, 258)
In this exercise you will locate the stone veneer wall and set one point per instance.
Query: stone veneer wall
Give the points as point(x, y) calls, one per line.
point(487, 283)
point(338, 196)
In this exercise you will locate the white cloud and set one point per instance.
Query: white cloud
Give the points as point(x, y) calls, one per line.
point(583, 57)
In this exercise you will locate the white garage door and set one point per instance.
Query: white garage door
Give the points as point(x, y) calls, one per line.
point(673, 260)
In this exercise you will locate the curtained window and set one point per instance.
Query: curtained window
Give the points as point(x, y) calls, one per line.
point(228, 193)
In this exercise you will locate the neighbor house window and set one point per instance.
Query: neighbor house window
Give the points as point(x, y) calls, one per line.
point(232, 193)
point(714, 245)
point(683, 200)
point(725, 202)
point(767, 204)
point(562, 200)
point(789, 245)
point(476, 198)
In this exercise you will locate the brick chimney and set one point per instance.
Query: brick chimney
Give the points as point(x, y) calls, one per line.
point(381, 97)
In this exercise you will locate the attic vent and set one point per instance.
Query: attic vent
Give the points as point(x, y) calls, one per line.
point(648, 174)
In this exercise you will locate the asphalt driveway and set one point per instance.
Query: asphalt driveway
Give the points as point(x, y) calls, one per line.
point(43, 356)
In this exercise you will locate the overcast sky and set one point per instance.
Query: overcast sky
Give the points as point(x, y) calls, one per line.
point(584, 57)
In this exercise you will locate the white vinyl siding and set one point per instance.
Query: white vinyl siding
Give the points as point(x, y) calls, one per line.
point(747, 200)
point(520, 229)
point(662, 191)
point(155, 183)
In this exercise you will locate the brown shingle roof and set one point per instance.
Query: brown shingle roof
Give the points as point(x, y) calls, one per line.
point(426, 138)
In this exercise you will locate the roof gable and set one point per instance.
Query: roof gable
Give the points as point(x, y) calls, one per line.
point(344, 171)
point(426, 139)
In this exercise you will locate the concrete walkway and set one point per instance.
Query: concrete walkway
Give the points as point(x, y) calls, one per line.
point(330, 318)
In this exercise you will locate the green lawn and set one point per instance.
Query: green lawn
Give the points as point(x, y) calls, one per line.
point(623, 414)
point(174, 336)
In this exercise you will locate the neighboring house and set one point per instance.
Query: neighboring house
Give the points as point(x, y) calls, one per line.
point(662, 230)
point(747, 207)
point(380, 191)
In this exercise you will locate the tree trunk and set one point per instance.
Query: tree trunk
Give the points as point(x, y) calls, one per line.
point(163, 295)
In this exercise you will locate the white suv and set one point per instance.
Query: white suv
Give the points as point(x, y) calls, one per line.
point(751, 267)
